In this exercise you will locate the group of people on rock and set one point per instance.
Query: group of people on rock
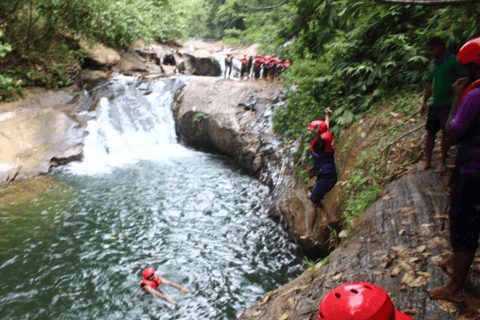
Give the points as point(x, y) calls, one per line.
point(267, 67)
point(454, 85)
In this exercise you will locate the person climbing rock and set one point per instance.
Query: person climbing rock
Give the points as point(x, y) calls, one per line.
point(439, 86)
point(464, 213)
point(151, 282)
point(359, 301)
point(228, 65)
point(322, 150)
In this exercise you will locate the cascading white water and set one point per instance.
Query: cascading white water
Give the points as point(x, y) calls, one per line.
point(132, 121)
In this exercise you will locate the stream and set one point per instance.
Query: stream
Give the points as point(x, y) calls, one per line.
point(139, 199)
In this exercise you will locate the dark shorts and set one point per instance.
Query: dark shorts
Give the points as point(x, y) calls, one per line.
point(465, 212)
point(437, 117)
point(321, 188)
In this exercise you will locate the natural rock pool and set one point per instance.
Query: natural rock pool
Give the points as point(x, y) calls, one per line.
point(140, 200)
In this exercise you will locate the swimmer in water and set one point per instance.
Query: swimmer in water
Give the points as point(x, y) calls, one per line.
point(151, 282)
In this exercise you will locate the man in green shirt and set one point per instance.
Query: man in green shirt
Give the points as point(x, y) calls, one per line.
point(446, 70)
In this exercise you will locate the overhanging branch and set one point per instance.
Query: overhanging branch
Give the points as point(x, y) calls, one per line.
point(264, 8)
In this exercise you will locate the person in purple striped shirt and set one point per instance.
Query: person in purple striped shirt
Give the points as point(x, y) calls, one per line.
point(464, 213)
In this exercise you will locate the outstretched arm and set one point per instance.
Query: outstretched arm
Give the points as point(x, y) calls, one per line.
point(328, 113)
point(158, 294)
point(170, 283)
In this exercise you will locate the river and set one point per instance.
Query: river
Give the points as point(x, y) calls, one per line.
point(139, 199)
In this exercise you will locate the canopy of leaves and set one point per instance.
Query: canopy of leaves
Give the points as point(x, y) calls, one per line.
point(42, 36)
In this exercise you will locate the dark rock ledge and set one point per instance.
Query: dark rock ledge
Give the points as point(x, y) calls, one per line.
point(394, 245)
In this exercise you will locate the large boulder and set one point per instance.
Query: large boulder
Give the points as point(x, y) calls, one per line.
point(396, 245)
point(35, 138)
point(235, 118)
point(190, 65)
point(98, 56)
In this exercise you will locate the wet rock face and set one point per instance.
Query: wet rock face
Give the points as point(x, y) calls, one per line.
point(395, 245)
point(235, 118)
point(34, 140)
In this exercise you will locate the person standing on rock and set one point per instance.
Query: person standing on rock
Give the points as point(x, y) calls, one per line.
point(464, 213)
point(249, 67)
point(257, 65)
point(244, 69)
point(151, 282)
point(228, 65)
point(439, 86)
point(322, 150)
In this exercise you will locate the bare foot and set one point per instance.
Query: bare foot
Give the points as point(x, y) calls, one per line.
point(441, 168)
point(444, 293)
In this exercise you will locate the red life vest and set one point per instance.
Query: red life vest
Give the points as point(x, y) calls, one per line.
point(154, 284)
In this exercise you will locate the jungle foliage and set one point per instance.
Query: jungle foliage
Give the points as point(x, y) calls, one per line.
point(39, 39)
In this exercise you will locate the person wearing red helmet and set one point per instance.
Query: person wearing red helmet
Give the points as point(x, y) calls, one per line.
point(464, 212)
point(322, 149)
point(359, 301)
point(244, 68)
point(151, 282)
point(439, 86)
point(287, 63)
point(249, 67)
point(257, 64)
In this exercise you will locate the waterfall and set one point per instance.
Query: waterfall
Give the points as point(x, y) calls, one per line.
point(132, 121)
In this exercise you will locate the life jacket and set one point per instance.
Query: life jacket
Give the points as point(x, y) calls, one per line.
point(468, 156)
point(154, 284)
point(323, 159)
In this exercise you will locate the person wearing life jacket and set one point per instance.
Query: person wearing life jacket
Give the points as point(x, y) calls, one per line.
point(439, 86)
point(322, 150)
point(228, 65)
point(279, 69)
point(464, 213)
point(244, 68)
point(151, 282)
point(257, 66)
point(359, 301)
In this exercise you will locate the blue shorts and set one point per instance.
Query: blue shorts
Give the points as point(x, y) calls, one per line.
point(321, 188)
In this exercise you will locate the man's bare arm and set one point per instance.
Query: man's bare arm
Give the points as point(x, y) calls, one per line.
point(158, 294)
point(170, 283)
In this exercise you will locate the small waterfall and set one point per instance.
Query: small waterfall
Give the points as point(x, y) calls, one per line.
point(132, 121)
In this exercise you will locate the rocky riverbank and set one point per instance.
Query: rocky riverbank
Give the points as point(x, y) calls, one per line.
point(396, 244)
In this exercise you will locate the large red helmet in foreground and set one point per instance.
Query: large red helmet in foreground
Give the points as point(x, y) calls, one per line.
point(470, 52)
point(359, 301)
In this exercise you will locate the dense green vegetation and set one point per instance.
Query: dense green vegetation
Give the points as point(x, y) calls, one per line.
point(40, 39)
point(352, 56)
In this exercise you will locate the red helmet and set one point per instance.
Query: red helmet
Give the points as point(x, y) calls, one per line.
point(359, 301)
point(470, 52)
point(322, 126)
point(148, 272)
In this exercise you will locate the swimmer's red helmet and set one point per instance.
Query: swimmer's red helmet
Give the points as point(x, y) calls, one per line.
point(359, 301)
point(470, 52)
point(322, 126)
point(148, 272)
